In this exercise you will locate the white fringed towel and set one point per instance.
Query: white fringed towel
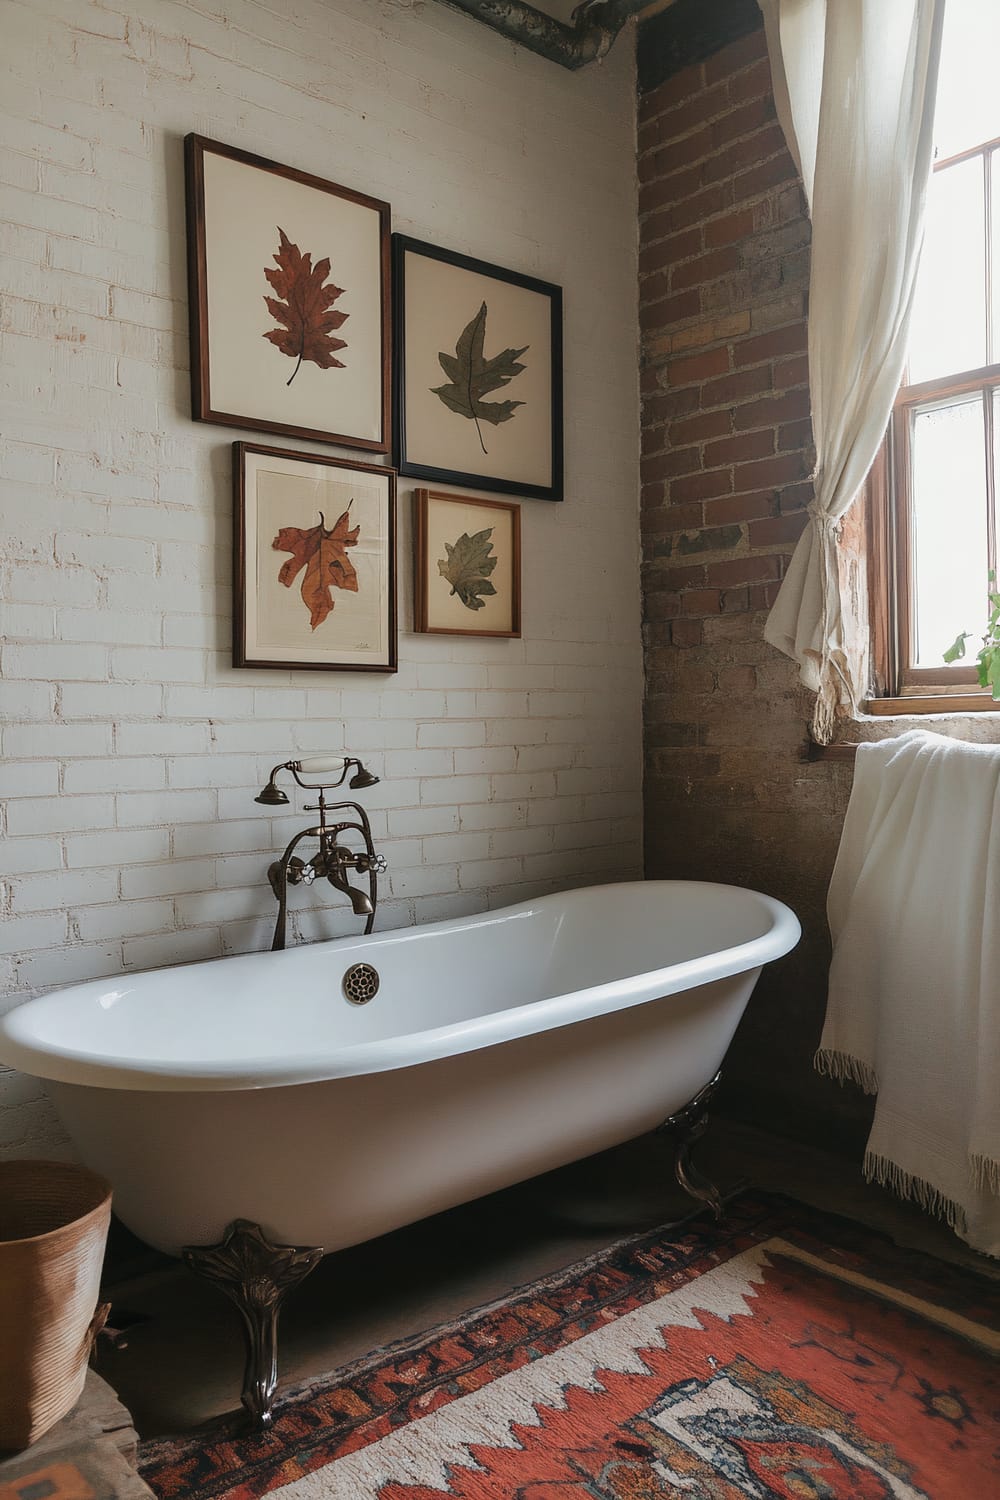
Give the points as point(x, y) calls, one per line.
point(914, 1004)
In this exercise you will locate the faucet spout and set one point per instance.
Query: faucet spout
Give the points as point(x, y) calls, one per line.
point(336, 862)
point(360, 903)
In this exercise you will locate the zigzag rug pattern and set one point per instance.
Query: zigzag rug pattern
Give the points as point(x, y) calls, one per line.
point(784, 1353)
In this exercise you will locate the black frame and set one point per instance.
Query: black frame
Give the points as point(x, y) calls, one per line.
point(402, 245)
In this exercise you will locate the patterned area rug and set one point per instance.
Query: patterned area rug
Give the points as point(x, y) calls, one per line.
point(784, 1353)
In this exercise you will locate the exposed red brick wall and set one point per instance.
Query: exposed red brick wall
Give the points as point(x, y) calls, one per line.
point(726, 455)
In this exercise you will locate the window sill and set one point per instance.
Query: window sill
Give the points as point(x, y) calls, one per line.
point(933, 703)
point(875, 724)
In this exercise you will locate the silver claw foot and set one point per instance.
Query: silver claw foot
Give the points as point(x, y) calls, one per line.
point(256, 1275)
point(688, 1125)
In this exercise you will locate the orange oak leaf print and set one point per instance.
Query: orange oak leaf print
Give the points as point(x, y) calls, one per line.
point(305, 310)
point(323, 554)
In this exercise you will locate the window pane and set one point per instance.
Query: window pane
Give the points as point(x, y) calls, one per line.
point(950, 557)
point(995, 457)
point(993, 354)
point(968, 105)
point(948, 333)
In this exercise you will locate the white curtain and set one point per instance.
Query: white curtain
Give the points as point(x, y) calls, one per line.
point(854, 85)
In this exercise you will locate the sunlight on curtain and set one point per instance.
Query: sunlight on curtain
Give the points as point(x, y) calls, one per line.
point(854, 84)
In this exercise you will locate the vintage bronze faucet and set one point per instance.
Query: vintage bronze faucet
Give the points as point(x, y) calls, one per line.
point(333, 859)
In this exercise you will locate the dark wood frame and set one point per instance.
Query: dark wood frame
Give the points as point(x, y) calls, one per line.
point(890, 526)
point(240, 658)
point(403, 245)
point(202, 410)
point(421, 501)
point(901, 687)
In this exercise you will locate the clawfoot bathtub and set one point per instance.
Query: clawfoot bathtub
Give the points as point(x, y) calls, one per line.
point(317, 1097)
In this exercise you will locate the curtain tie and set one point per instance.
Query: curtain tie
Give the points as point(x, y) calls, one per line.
point(823, 521)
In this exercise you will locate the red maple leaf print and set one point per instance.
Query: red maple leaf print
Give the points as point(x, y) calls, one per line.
point(305, 310)
point(323, 554)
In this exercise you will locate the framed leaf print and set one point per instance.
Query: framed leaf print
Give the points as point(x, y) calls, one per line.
point(468, 565)
point(315, 562)
point(478, 373)
point(288, 285)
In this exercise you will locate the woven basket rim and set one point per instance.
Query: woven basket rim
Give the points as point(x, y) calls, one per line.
point(25, 1166)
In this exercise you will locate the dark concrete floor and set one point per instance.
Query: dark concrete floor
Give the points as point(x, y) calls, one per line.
point(183, 1365)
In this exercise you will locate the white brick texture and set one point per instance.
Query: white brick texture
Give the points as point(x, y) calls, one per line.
point(132, 750)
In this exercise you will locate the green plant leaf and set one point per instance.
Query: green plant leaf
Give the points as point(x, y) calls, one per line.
point(991, 664)
point(956, 650)
point(471, 376)
point(988, 655)
point(468, 567)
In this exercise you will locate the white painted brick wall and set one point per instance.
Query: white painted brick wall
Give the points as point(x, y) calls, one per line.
point(131, 748)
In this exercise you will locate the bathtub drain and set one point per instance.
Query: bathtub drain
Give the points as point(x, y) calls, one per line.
point(361, 983)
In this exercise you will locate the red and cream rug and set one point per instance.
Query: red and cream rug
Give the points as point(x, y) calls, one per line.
point(784, 1353)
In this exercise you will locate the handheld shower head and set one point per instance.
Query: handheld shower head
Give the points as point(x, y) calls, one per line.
point(321, 766)
point(271, 795)
point(362, 778)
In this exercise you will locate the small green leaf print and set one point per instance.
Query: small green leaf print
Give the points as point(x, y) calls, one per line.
point(471, 376)
point(468, 567)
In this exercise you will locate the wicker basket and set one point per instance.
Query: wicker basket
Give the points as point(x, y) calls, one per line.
point(53, 1226)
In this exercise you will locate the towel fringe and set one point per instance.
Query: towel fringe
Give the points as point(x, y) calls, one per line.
point(889, 1175)
point(844, 1068)
point(985, 1173)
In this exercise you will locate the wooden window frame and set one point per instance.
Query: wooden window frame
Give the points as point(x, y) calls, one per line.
point(899, 687)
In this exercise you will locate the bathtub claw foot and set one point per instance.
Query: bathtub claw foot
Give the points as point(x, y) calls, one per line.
point(687, 1126)
point(255, 1275)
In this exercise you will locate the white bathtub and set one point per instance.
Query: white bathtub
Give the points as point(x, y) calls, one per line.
point(497, 1047)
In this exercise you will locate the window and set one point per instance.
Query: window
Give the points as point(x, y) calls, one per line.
point(935, 490)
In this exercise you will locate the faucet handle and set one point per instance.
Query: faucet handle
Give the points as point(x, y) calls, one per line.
point(299, 873)
point(375, 864)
